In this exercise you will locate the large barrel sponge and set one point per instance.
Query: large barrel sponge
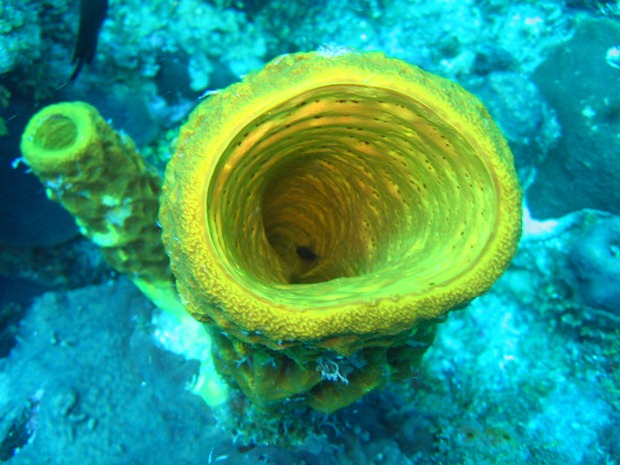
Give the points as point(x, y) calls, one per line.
point(326, 212)
point(595, 260)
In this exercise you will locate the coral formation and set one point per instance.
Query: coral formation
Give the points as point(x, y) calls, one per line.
point(595, 258)
point(19, 35)
point(529, 125)
point(589, 112)
point(335, 204)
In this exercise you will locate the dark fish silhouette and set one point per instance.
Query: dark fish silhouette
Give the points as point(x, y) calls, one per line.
point(92, 15)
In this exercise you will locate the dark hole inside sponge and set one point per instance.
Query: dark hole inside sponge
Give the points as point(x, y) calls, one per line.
point(57, 132)
point(306, 253)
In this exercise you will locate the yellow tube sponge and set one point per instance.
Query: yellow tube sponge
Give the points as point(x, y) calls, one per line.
point(97, 175)
point(338, 201)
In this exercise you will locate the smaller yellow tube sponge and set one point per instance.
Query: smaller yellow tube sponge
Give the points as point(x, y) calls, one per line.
point(97, 175)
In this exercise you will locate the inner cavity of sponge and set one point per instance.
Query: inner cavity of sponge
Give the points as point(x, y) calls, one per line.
point(352, 182)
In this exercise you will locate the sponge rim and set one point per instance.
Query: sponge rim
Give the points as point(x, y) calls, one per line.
point(342, 328)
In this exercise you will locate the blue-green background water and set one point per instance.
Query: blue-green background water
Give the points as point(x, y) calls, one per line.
point(528, 373)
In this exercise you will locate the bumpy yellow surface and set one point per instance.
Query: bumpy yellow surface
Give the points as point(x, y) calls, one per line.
point(97, 175)
point(337, 201)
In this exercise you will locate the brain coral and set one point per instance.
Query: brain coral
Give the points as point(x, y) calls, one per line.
point(332, 203)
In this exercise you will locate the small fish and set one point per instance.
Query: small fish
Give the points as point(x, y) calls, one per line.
point(92, 15)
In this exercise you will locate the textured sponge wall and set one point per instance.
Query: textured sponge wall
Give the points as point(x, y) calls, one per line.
point(97, 175)
point(336, 200)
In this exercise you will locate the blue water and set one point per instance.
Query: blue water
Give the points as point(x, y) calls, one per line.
point(527, 373)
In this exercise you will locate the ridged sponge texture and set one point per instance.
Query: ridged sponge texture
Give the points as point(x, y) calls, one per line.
point(337, 202)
